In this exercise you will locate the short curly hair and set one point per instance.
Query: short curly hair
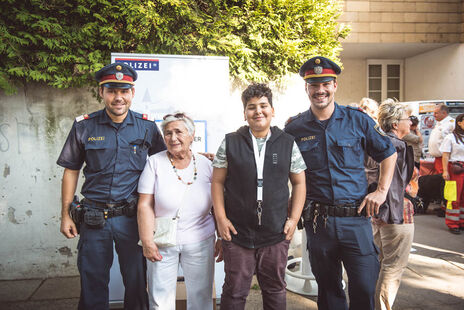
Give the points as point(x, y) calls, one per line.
point(390, 112)
point(256, 90)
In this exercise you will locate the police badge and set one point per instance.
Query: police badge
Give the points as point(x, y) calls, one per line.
point(318, 69)
point(119, 76)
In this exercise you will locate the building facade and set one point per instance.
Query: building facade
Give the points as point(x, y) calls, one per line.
point(409, 50)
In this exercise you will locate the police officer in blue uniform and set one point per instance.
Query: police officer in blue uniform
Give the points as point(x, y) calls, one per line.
point(114, 144)
point(333, 140)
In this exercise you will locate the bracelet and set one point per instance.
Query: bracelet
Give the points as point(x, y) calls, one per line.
point(219, 238)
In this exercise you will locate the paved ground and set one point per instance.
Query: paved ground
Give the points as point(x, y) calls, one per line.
point(434, 279)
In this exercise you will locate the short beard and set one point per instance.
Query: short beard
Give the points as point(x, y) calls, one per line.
point(320, 106)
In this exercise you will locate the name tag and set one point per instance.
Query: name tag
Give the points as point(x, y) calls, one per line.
point(308, 138)
point(96, 139)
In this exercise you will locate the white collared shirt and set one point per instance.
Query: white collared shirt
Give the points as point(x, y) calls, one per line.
point(455, 148)
point(439, 132)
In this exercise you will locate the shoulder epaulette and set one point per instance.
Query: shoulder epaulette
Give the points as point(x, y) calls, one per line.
point(88, 116)
point(147, 117)
point(356, 108)
point(82, 117)
point(292, 118)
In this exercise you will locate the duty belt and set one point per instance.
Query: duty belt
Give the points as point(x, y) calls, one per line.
point(104, 205)
point(315, 209)
point(345, 210)
point(113, 209)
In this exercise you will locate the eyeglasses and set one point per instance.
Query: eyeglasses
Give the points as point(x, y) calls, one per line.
point(176, 115)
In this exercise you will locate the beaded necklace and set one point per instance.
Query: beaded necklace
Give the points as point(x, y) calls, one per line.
point(178, 176)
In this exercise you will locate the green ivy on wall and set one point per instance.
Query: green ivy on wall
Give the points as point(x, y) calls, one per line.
point(63, 42)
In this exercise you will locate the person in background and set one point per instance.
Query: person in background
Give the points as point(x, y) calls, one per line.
point(452, 150)
point(414, 139)
point(393, 227)
point(333, 140)
point(371, 167)
point(178, 180)
point(250, 197)
point(444, 126)
point(114, 144)
point(370, 106)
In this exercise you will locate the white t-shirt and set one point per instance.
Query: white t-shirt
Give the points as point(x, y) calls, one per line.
point(450, 145)
point(158, 178)
point(439, 132)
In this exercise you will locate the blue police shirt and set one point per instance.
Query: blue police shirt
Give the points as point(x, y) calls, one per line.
point(335, 154)
point(114, 154)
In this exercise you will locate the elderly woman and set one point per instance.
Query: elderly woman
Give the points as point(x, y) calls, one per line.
point(370, 106)
point(452, 149)
point(393, 227)
point(172, 180)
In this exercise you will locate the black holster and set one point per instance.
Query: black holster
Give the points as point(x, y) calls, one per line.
point(130, 208)
point(305, 214)
point(76, 212)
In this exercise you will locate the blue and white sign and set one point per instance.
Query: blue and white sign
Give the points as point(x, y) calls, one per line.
point(140, 64)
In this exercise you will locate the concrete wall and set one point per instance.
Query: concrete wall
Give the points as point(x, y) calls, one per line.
point(33, 126)
point(404, 21)
point(436, 74)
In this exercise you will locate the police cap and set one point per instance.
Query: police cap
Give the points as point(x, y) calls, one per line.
point(319, 70)
point(116, 75)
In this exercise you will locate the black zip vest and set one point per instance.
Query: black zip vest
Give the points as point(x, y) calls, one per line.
point(241, 182)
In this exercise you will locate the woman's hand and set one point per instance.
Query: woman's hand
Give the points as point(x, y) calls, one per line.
point(446, 175)
point(289, 228)
point(225, 227)
point(151, 252)
point(218, 251)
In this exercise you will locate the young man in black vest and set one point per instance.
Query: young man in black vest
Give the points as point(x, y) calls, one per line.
point(250, 196)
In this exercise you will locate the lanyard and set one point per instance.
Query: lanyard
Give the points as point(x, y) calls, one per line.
point(259, 159)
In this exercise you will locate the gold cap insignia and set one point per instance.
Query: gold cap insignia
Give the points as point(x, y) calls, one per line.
point(118, 67)
point(317, 61)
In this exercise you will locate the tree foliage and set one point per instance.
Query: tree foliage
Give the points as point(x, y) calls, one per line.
point(62, 42)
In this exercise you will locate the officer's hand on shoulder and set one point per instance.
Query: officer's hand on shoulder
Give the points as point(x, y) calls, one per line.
point(210, 156)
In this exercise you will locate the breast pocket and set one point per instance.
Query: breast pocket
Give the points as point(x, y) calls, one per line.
point(350, 153)
point(312, 154)
point(138, 153)
point(99, 155)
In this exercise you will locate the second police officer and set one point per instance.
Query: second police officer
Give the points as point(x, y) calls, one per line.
point(333, 140)
point(113, 143)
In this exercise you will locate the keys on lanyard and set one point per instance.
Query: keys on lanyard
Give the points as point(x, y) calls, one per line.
point(259, 160)
point(259, 211)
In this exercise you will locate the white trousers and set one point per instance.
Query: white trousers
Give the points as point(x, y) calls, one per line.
point(197, 261)
point(394, 242)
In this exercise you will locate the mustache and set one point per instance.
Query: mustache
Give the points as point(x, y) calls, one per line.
point(321, 94)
